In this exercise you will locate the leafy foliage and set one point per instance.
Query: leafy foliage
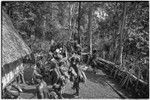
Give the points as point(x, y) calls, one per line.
point(59, 21)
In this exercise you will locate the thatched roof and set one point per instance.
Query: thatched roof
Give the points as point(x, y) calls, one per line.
point(13, 46)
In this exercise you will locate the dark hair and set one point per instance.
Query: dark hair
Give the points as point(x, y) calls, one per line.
point(130, 67)
point(52, 64)
point(75, 59)
point(60, 63)
point(57, 58)
point(94, 51)
point(38, 64)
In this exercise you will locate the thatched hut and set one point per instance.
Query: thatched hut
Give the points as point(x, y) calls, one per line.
point(13, 50)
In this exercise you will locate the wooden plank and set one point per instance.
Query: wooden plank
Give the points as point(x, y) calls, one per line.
point(107, 62)
point(83, 53)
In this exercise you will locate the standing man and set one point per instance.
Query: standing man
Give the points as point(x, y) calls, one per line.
point(36, 72)
point(77, 48)
point(43, 91)
point(75, 74)
point(92, 61)
point(52, 46)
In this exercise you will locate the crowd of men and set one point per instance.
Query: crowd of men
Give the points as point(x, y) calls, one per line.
point(52, 74)
point(53, 69)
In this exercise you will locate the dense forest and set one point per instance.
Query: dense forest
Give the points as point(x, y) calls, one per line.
point(118, 31)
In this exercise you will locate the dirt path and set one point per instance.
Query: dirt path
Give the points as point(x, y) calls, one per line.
point(96, 87)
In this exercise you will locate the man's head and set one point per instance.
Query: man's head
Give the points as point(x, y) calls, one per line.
point(39, 79)
point(74, 60)
point(94, 51)
point(52, 42)
point(38, 65)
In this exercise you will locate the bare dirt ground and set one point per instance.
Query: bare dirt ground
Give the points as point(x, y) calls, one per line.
point(96, 86)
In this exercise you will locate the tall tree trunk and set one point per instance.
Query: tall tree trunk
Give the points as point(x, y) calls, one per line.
point(90, 26)
point(121, 33)
point(70, 18)
point(44, 26)
point(52, 12)
point(79, 18)
point(114, 36)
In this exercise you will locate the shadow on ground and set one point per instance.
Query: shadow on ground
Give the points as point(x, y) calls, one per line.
point(97, 78)
point(102, 78)
point(68, 96)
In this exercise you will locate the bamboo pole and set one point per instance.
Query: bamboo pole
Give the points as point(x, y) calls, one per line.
point(79, 9)
point(121, 33)
point(117, 66)
point(70, 17)
point(90, 26)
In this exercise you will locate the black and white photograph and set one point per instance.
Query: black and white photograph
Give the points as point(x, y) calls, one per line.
point(75, 49)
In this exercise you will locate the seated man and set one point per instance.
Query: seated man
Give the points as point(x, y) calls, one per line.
point(36, 72)
point(43, 91)
point(92, 61)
